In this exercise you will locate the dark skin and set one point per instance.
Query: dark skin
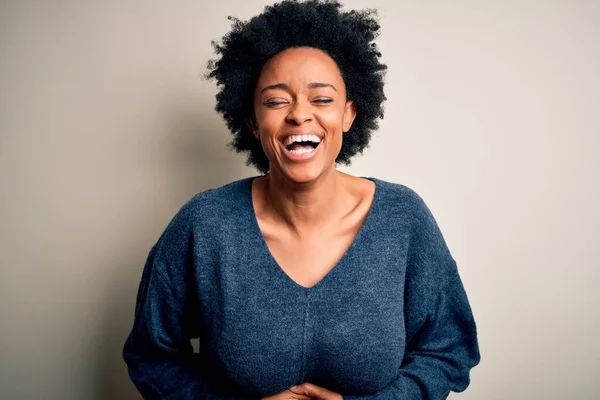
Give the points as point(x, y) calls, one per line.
point(306, 391)
point(308, 212)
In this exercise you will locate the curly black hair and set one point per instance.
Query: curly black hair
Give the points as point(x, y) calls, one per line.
point(345, 36)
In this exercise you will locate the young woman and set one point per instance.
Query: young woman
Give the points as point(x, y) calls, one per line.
point(303, 282)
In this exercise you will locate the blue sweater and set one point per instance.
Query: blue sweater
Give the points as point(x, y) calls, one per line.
point(390, 321)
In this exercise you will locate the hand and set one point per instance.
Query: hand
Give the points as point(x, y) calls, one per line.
point(316, 392)
point(288, 395)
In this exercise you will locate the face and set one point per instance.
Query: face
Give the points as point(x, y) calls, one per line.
point(301, 113)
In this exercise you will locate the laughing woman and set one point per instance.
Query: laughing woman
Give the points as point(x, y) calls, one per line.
point(303, 282)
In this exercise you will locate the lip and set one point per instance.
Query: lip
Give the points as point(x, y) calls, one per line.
point(299, 157)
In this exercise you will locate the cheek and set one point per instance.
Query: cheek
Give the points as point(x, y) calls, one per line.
point(332, 121)
point(269, 121)
point(266, 140)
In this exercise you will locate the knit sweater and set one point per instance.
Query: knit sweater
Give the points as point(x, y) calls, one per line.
point(390, 321)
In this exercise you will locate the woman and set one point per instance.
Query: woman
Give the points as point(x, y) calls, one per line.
point(304, 282)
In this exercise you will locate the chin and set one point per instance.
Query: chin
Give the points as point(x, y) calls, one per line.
point(306, 173)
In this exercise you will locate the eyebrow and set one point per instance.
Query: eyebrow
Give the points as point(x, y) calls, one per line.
point(284, 86)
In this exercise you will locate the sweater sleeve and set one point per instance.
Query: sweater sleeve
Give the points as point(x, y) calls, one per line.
point(158, 353)
point(441, 334)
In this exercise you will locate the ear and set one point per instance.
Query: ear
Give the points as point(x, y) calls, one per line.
point(349, 115)
point(251, 122)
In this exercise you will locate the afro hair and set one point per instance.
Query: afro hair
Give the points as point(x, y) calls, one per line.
point(347, 37)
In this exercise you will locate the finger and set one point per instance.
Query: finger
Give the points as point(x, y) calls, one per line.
point(298, 389)
point(297, 396)
point(301, 397)
point(309, 389)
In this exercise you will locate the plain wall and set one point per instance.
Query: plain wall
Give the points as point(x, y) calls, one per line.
point(107, 128)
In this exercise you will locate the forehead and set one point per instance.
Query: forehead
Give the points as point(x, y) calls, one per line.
point(300, 66)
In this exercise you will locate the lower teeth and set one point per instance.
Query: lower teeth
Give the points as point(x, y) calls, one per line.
point(301, 151)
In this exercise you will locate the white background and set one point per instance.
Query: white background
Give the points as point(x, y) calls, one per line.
point(107, 128)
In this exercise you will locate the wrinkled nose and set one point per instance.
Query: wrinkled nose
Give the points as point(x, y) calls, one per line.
point(300, 113)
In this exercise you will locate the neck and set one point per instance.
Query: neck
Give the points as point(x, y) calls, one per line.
point(305, 207)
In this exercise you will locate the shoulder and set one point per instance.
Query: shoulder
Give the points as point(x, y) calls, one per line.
point(406, 208)
point(223, 198)
point(211, 207)
point(401, 200)
point(206, 215)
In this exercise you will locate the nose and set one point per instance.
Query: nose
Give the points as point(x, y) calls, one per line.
point(300, 113)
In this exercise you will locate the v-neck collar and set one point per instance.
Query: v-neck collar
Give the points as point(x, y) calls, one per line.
point(363, 230)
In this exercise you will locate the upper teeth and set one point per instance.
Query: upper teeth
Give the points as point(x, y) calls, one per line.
point(302, 138)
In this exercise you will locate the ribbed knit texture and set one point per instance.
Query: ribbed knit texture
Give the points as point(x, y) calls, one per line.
point(390, 321)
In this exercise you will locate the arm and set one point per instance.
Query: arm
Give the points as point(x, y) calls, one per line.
point(158, 352)
point(441, 334)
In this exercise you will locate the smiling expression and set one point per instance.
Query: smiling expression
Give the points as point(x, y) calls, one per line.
point(301, 113)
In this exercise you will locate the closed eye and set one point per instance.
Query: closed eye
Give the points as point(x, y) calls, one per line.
point(274, 103)
point(323, 100)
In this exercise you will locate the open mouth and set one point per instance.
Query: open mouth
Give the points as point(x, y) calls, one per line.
point(303, 144)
